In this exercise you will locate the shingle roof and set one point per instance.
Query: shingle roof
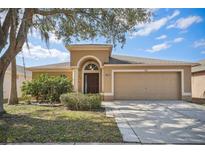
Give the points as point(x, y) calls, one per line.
point(19, 70)
point(200, 67)
point(118, 59)
point(64, 65)
point(121, 59)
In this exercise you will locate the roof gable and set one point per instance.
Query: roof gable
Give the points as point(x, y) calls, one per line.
point(200, 67)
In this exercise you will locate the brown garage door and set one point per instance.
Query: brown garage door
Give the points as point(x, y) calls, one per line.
point(147, 85)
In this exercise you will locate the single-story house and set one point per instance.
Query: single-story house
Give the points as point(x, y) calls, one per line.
point(93, 69)
point(22, 74)
point(198, 82)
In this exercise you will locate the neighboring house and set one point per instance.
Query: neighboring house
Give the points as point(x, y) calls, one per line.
point(21, 77)
point(198, 82)
point(52, 69)
point(93, 69)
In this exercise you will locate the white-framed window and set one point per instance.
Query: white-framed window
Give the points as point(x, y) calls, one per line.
point(91, 67)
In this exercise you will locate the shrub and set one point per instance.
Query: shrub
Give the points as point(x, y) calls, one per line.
point(47, 88)
point(26, 98)
point(79, 101)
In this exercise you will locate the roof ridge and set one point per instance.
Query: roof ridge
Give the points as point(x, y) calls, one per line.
point(129, 56)
point(49, 64)
point(89, 44)
point(202, 61)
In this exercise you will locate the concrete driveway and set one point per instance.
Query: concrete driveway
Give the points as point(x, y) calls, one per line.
point(159, 122)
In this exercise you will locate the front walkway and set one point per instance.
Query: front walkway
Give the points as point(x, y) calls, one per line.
point(159, 122)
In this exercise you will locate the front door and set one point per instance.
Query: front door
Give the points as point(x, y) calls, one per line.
point(91, 83)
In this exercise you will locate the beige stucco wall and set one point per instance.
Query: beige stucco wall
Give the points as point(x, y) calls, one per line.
point(68, 74)
point(7, 83)
point(108, 76)
point(198, 85)
point(75, 56)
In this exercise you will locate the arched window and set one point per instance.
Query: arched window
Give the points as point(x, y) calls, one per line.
point(91, 67)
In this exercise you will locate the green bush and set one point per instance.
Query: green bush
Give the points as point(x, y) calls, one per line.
point(47, 88)
point(26, 98)
point(79, 101)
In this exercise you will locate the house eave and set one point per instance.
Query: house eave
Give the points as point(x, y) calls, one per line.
point(120, 65)
point(51, 70)
point(86, 47)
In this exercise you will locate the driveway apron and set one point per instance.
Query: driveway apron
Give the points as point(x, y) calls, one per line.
point(159, 122)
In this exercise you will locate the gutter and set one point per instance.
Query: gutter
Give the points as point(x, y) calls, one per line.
point(157, 64)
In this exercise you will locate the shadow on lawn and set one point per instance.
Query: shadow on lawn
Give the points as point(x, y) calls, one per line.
point(63, 129)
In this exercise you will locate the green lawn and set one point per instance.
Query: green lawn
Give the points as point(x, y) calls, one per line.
point(39, 124)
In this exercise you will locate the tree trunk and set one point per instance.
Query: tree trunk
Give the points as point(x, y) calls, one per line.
point(1, 93)
point(16, 44)
point(13, 97)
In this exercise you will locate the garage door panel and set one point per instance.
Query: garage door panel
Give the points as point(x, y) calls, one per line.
point(149, 85)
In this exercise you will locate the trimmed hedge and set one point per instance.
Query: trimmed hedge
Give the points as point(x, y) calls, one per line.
point(79, 101)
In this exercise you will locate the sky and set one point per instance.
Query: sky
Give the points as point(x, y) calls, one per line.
point(174, 34)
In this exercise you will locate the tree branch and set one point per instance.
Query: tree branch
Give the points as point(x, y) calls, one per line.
point(24, 28)
point(4, 31)
point(1, 38)
point(66, 12)
point(9, 54)
point(49, 12)
point(12, 35)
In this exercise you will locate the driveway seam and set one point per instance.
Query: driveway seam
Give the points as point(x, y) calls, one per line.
point(184, 114)
point(126, 132)
point(131, 128)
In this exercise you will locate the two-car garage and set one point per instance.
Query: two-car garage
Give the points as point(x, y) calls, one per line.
point(147, 85)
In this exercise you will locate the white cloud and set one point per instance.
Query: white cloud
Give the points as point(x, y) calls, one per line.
point(165, 45)
point(161, 37)
point(176, 13)
point(170, 26)
point(34, 34)
point(199, 43)
point(178, 39)
point(184, 23)
point(148, 28)
point(37, 52)
point(52, 37)
point(202, 52)
point(159, 47)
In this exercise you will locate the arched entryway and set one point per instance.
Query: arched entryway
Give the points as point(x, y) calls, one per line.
point(91, 77)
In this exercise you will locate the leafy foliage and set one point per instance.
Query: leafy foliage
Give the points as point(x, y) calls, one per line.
point(69, 24)
point(112, 24)
point(47, 88)
point(79, 101)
